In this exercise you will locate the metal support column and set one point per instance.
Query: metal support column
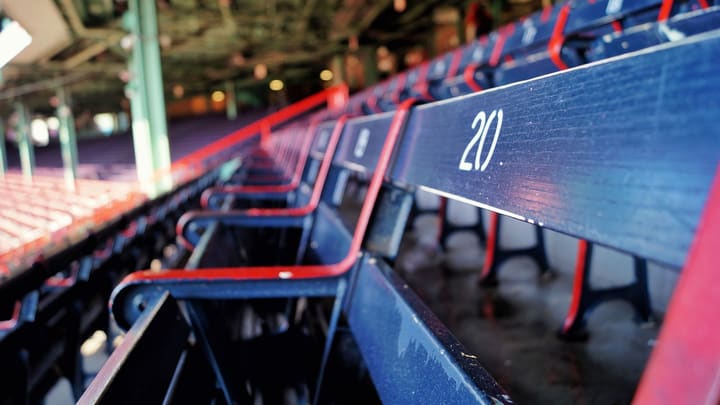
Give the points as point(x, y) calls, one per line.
point(135, 91)
point(3, 153)
point(369, 62)
point(337, 66)
point(147, 101)
point(155, 92)
point(68, 139)
point(25, 146)
point(230, 100)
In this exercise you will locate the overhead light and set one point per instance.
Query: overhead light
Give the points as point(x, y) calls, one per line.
point(414, 57)
point(326, 75)
point(125, 75)
point(353, 43)
point(13, 39)
point(53, 123)
point(260, 71)
point(64, 111)
point(127, 42)
point(39, 132)
point(276, 85)
point(400, 5)
point(385, 60)
point(105, 123)
point(178, 91)
point(217, 96)
point(165, 41)
point(237, 59)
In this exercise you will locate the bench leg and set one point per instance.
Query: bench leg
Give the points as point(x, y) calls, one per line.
point(197, 326)
point(585, 298)
point(71, 361)
point(495, 255)
point(447, 228)
point(416, 211)
point(332, 328)
point(443, 223)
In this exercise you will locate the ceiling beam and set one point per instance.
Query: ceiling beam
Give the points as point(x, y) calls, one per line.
point(27, 88)
point(91, 51)
point(368, 17)
point(79, 28)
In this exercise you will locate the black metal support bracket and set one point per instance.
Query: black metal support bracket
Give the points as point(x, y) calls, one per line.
point(586, 298)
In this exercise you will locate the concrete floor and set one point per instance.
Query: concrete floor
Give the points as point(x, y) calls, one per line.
point(512, 328)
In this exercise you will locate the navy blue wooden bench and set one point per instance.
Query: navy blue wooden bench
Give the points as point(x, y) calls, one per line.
point(634, 175)
point(550, 40)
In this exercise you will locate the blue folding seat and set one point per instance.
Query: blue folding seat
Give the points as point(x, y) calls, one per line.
point(371, 105)
point(441, 68)
point(535, 65)
point(473, 70)
point(646, 35)
point(416, 83)
point(596, 18)
point(392, 92)
point(300, 202)
point(553, 56)
point(331, 264)
point(532, 33)
point(251, 193)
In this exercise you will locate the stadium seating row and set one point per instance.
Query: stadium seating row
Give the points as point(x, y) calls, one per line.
point(56, 299)
point(557, 156)
point(524, 157)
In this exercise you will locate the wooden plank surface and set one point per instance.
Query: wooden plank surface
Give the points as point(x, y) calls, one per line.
point(620, 152)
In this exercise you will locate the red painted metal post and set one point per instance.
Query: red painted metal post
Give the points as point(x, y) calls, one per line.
point(684, 368)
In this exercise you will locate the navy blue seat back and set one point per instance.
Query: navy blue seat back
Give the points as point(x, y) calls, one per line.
point(533, 66)
point(649, 34)
point(317, 150)
point(609, 164)
point(362, 141)
point(476, 54)
point(532, 33)
point(358, 152)
point(596, 17)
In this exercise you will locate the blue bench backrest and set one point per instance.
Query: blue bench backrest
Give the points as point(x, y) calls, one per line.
point(362, 141)
point(596, 16)
point(317, 150)
point(610, 164)
point(357, 152)
point(650, 34)
point(533, 32)
point(440, 66)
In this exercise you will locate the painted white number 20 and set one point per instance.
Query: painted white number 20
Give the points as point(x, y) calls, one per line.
point(482, 123)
